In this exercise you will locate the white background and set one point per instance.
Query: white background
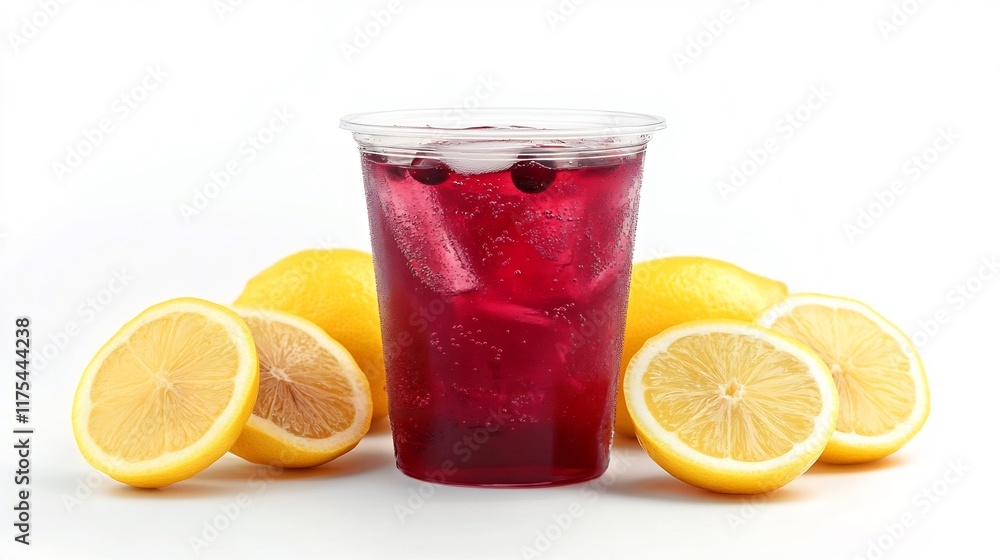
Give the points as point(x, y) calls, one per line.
point(64, 236)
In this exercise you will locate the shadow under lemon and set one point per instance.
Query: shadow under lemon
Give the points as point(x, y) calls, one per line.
point(890, 462)
point(667, 488)
point(231, 474)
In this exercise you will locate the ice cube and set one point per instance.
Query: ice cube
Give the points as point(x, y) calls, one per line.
point(474, 158)
point(513, 312)
point(424, 236)
point(477, 166)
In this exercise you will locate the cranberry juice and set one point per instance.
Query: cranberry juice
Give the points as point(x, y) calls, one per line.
point(502, 291)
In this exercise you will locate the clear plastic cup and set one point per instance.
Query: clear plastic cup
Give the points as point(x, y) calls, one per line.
point(503, 247)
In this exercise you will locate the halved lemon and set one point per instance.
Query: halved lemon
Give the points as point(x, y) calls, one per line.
point(314, 403)
point(168, 394)
point(730, 406)
point(884, 398)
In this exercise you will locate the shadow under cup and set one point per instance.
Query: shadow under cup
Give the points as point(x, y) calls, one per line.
point(503, 249)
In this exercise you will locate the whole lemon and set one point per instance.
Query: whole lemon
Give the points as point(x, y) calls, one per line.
point(673, 290)
point(334, 288)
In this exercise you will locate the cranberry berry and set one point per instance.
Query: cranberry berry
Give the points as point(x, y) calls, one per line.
point(532, 176)
point(429, 171)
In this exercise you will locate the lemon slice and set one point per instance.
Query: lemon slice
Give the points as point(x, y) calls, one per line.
point(730, 406)
point(884, 398)
point(168, 394)
point(673, 290)
point(334, 288)
point(314, 403)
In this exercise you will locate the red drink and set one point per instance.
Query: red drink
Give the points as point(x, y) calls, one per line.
point(503, 286)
